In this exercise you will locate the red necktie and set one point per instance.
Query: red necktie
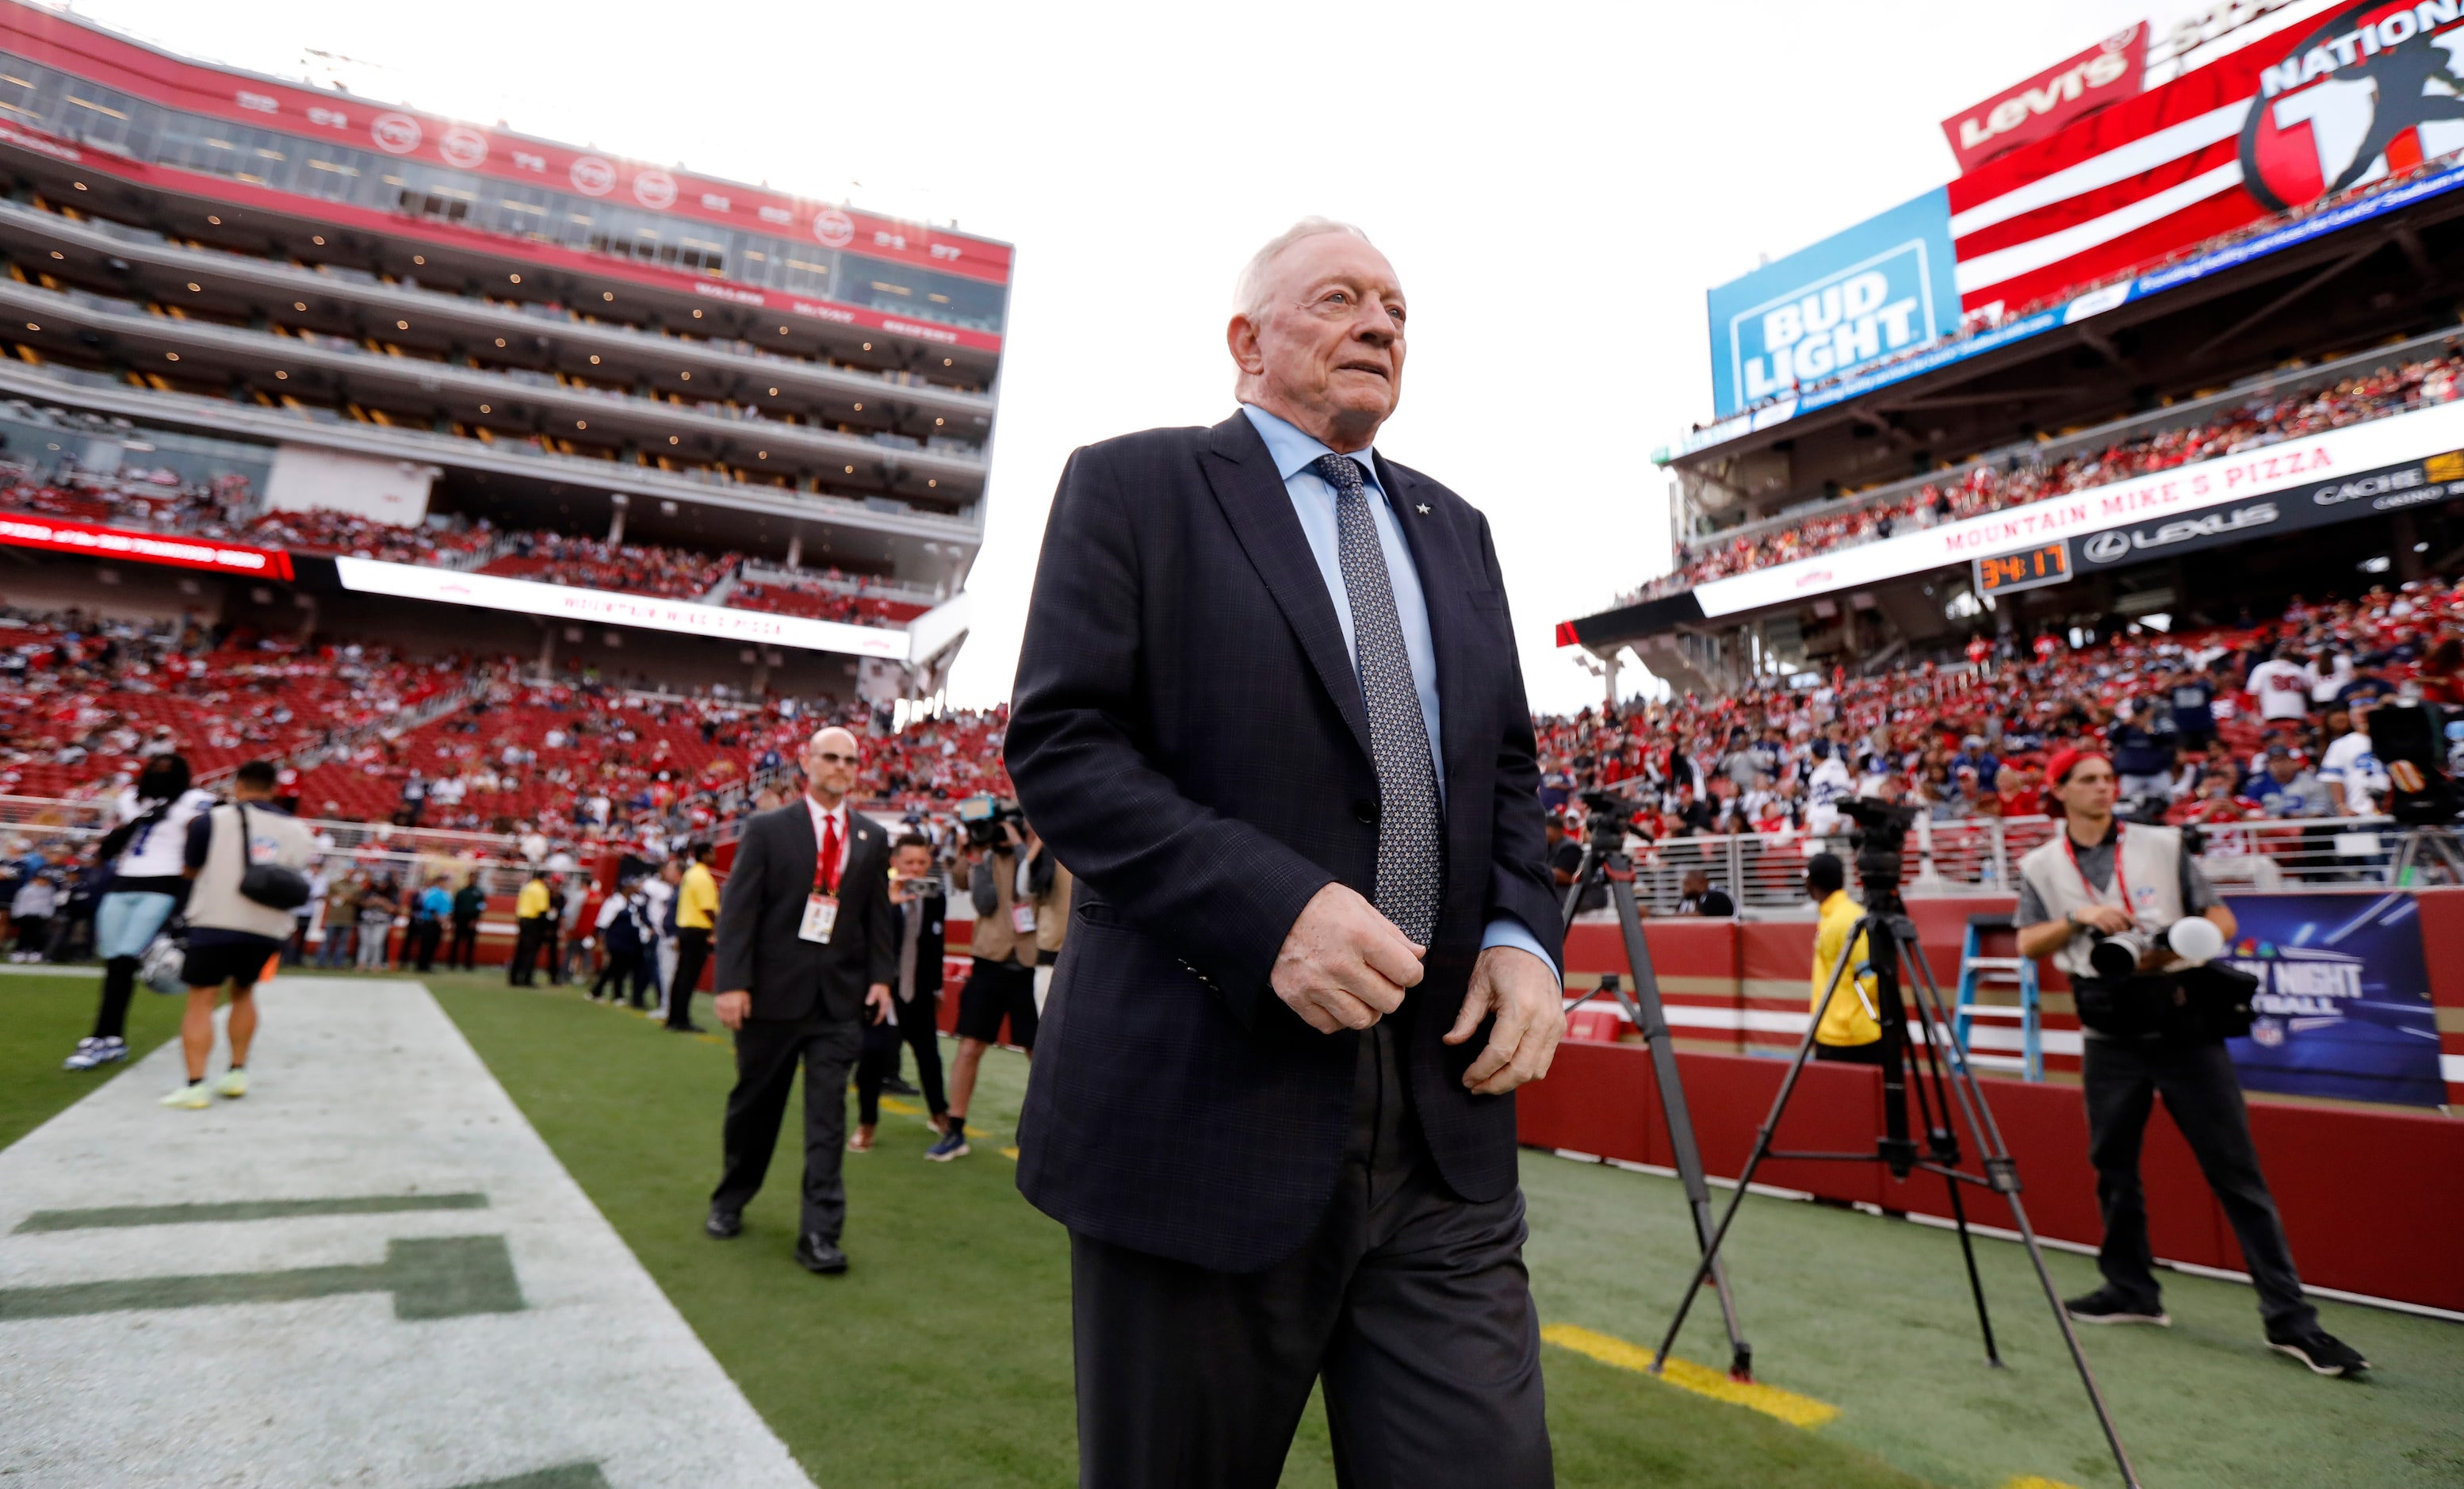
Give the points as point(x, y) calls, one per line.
point(827, 871)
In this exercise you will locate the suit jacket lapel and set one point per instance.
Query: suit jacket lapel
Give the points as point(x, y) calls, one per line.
point(1445, 577)
point(1253, 499)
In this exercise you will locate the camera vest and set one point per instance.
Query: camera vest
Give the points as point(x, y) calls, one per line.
point(2147, 858)
point(214, 899)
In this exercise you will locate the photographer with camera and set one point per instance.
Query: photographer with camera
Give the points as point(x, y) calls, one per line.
point(2126, 914)
point(1009, 875)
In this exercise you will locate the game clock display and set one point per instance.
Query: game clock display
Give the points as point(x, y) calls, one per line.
point(2009, 572)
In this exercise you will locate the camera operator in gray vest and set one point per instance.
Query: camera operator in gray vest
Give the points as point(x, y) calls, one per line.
point(2103, 900)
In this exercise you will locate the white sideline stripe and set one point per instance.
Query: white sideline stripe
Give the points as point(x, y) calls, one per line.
point(2002, 1232)
point(2119, 163)
point(2010, 263)
point(47, 970)
point(361, 1088)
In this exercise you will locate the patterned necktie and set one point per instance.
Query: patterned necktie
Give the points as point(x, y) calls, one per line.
point(1408, 841)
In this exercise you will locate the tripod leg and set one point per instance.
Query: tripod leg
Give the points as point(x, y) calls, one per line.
point(1762, 1145)
point(2004, 1176)
point(1975, 1283)
point(1650, 1017)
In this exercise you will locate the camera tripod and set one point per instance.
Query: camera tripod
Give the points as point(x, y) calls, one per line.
point(2425, 846)
point(1891, 942)
point(1604, 863)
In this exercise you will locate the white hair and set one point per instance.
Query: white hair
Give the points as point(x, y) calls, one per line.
point(1250, 291)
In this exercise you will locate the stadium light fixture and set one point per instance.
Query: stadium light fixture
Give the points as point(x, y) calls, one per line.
point(773, 392)
point(850, 470)
point(868, 346)
point(687, 376)
point(56, 253)
point(594, 359)
point(673, 440)
point(932, 485)
point(516, 279)
point(419, 258)
point(193, 288)
point(303, 305)
point(945, 361)
point(606, 294)
point(31, 327)
point(582, 423)
point(859, 408)
point(486, 408)
point(402, 325)
point(501, 341)
point(80, 186)
point(697, 315)
point(280, 376)
point(318, 239)
point(174, 355)
point(937, 422)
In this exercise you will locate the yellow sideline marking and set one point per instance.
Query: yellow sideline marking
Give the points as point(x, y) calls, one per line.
point(2036, 1482)
point(904, 1108)
point(1010, 1153)
point(1685, 1375)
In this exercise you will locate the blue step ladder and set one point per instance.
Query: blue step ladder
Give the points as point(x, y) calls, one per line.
point(1977, 971)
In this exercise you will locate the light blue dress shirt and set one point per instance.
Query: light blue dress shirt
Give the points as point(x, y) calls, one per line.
point(1313, 501)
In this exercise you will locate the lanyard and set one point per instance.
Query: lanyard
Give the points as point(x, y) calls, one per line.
point(2119, 883)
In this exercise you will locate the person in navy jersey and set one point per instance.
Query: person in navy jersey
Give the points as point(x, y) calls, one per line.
point(1268, 713)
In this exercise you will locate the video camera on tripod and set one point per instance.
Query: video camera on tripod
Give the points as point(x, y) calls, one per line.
point(1881, 839)
point(982, 817)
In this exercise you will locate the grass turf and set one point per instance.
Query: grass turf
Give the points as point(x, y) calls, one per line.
point(45, 1016)
point(943, 1357)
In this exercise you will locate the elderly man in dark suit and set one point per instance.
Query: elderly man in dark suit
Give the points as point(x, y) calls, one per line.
point(808, 943)
point(1268, 713)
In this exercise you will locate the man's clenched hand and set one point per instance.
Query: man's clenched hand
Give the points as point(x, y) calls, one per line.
point(1521, 989)
point(1343, 965)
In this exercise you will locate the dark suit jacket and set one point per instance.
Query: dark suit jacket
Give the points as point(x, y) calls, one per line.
point(763, 903)
point(930, 939)
point(1188, 733)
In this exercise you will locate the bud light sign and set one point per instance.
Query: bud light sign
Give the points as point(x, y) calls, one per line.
point(1882, 288)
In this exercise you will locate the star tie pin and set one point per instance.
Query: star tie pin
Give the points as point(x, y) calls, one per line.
point(1425, 509)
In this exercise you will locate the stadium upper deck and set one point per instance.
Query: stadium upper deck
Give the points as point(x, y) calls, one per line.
point(215, 275)
point(2126, 304)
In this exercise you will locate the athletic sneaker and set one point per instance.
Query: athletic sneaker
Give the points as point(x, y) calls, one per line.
point(2106, 1305)
point(951, 1145)
point(194, 1098)
point(2323, 1353)
point(92, 1052)
point(234, 1082)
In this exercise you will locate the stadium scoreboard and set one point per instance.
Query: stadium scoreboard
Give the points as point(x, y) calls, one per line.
point(2008, 574)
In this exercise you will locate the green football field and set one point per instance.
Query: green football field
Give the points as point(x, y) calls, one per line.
point(943, 1357)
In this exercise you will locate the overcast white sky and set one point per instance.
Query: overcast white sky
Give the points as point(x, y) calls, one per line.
point(1557, 186)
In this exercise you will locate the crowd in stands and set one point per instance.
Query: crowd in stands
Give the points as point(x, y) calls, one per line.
point(1990, 488)
point(83, 702)
point(2257, 721)
point(223, 510)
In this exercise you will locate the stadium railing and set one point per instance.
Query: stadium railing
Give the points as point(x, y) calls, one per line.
point(1766, 872)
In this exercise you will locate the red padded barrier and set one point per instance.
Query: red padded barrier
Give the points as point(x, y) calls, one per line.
point(2373, 1200)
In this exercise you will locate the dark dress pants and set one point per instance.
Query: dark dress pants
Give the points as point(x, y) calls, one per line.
point(692, 952)
point(530, 936)
point(917, 1029)
point(2195, 1077)
point(464, 951)
point(1412, 1304)
point(767, 1051)
point(623, 968)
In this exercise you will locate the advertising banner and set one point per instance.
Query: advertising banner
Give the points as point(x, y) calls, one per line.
point(2072, 88)
point(96, 540)
point(2308, 466)
point(1875, 291)
point(2419, 483)
point(602, 607)
point(2370, 90)
point(2344, 1002)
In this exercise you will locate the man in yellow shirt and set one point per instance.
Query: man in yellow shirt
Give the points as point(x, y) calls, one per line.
point(1846, 1030)
point(696, 913)
point(531, 924)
